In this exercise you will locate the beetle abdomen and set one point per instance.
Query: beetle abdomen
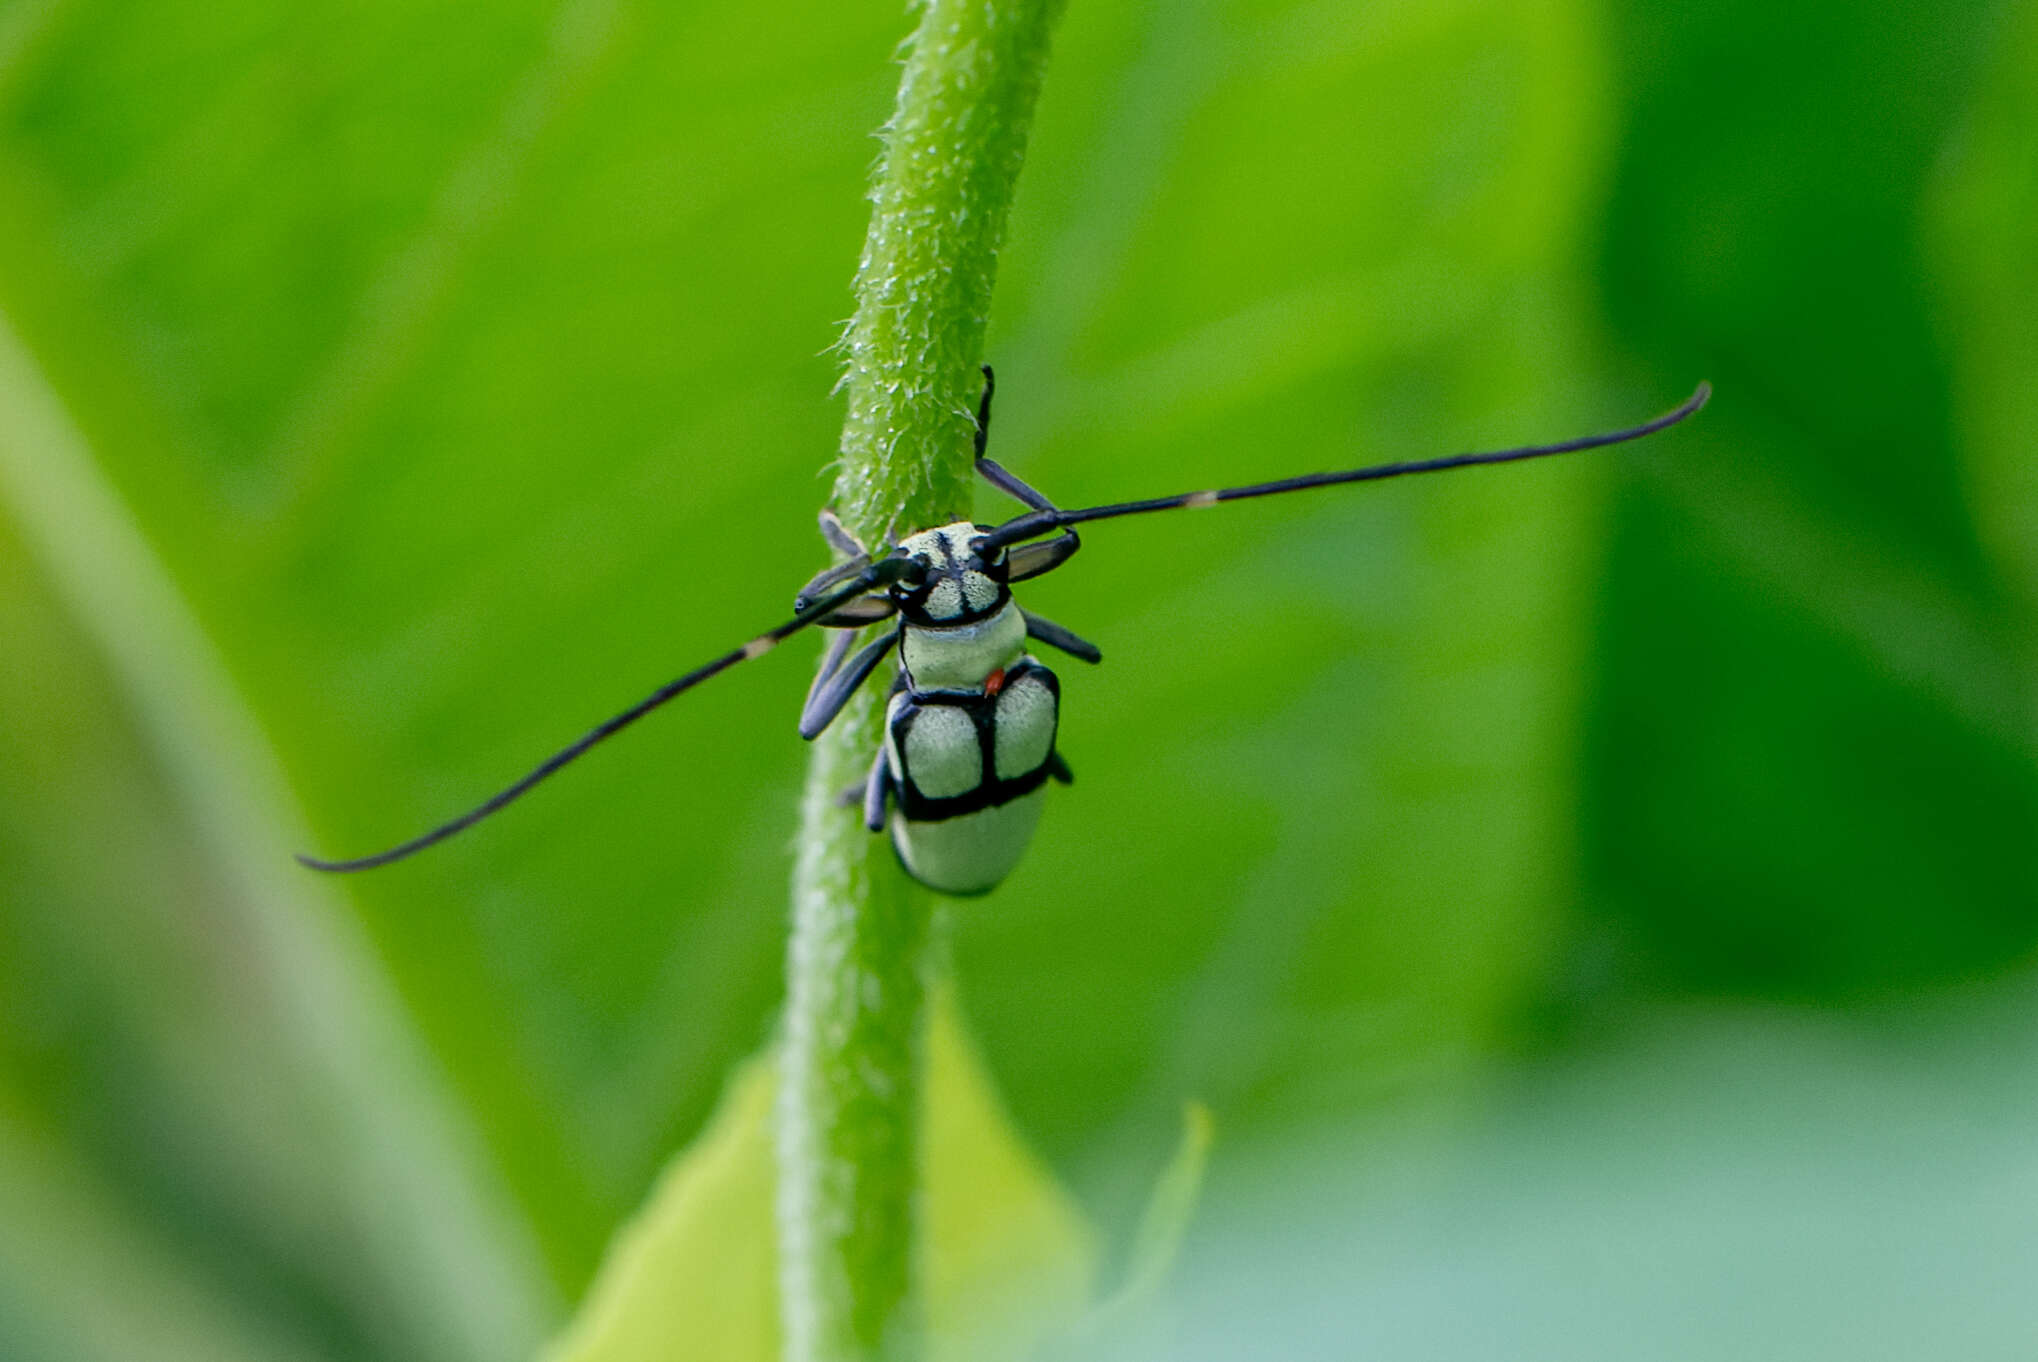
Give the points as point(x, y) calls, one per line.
point(971, 853)
point(967, 768)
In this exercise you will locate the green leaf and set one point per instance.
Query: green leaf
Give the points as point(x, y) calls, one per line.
point(462, 368)
point(1708, 1181)
point(1158, 1239)
point(1010, 1261)
point(1811, 759)
point(94, 1285)
point(1136, 1309)
point(1319, 843)
point(695, 1274)
point(1985, 262)
point(328, 1109)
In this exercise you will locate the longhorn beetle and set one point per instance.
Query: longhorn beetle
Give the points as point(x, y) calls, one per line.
point(970, 726)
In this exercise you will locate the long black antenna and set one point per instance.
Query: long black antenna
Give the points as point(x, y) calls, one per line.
point(1035, 523)
point(876, 574)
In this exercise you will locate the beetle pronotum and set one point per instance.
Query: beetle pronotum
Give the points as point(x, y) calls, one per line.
point(970, 726)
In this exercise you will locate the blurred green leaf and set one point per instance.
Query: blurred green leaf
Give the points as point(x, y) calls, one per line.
point(1812, 758)
point(1318, 841)
point(342, 1122)
point(1704, 1182)
point(464, 369)
point(1010, 1261)
point(93, 1285)
point(1985, 260)
point(255, 251)
point(1168, 1211)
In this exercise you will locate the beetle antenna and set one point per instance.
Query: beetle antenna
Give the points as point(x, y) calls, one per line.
point(880, 573)
point(1036, 523)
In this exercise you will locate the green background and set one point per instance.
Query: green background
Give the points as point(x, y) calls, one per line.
point(388, 391)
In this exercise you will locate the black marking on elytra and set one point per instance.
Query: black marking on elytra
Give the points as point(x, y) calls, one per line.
point(991, 790)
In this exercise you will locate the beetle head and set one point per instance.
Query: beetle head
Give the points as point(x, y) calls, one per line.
point(953, 583)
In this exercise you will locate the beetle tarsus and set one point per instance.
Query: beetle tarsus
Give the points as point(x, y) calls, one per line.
point(875, 789)
point(1052, 634)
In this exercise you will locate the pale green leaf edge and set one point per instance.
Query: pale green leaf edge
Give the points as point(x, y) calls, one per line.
point(1011, 1265)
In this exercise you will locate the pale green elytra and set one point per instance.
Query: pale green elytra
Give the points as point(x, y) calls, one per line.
point(936, 748)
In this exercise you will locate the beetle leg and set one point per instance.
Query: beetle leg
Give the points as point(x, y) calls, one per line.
point(996, 473)
point(834, 686)
point(827, 577)
point(1008, 482)
point(875, 790)
point(838, 536)
point(856, 558)
point(1052, 634)
point(859, 612)
point(984, 410)
point(831, 662)
point(1029, 560)
point(1059, 769)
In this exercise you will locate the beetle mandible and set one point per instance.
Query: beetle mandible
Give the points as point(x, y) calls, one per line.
point(969, 733)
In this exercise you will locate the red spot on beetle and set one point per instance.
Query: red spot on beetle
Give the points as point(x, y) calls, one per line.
point(995, 682)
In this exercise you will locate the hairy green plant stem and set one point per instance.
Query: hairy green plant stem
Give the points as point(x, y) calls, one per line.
point(849, 1104)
